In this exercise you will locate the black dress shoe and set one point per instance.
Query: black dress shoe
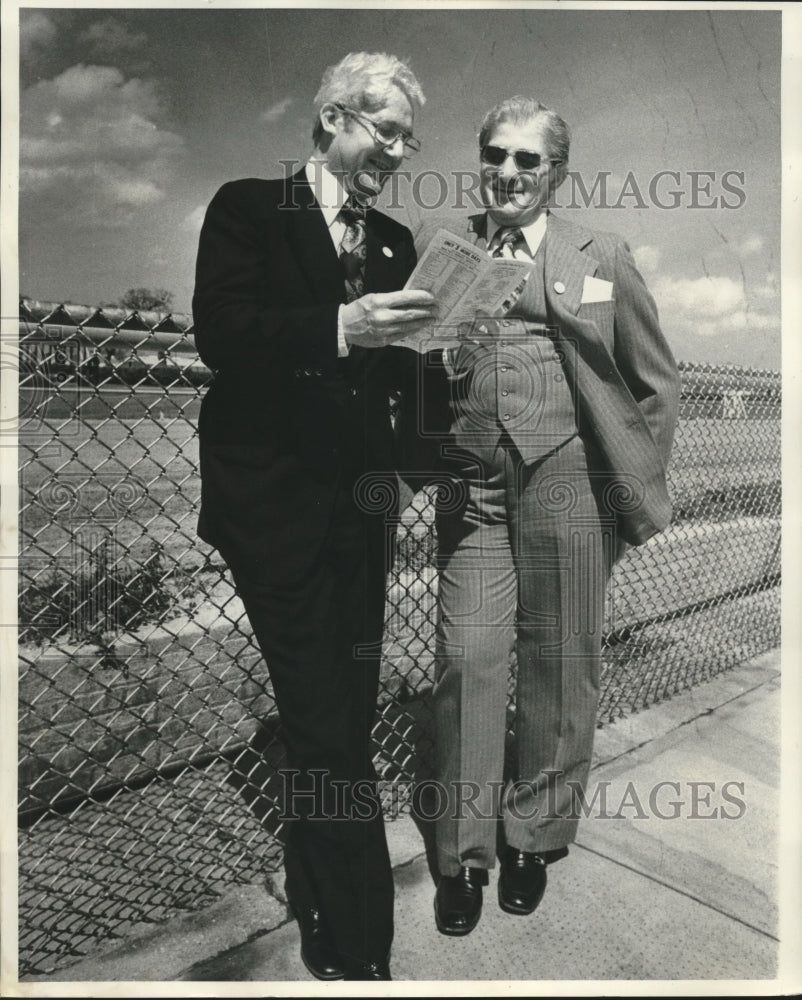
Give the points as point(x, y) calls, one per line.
point(458, 901)
point(364, 971)
point(317, 949)
point(522, 881)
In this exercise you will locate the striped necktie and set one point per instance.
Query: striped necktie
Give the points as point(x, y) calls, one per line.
point(353, 248)
point(506, 241)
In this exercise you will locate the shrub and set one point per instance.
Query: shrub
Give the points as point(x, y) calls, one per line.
point(106, 597)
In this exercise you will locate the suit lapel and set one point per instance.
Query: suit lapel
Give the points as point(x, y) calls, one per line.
point(309, 240)
point(566, 265)
point(380, 266)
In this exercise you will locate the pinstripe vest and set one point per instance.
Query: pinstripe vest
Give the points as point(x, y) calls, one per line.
point(518, 385)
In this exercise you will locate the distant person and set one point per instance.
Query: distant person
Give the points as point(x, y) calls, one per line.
point(296, 301)
point(558, 427)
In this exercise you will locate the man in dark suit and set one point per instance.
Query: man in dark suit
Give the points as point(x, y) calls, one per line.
point(559, 418)
point(296, 301)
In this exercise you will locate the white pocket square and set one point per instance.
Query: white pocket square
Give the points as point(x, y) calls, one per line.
point(596, 290)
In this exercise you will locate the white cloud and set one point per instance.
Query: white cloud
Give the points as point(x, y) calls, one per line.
point(647, 258)
point(123, 189)
point(715, 306)
point(751, 245)
point(36, 31)
point(741, 321)
point(769, 289)
point(277, 110)
point(93, 142)
point(194, 220)
point(705, 296)
point(112, 36)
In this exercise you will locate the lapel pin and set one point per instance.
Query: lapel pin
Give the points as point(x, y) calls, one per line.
point(559, 287)
point(387, 252)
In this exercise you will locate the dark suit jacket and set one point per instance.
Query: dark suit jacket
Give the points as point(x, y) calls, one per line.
point(618, 363)
point(285, 419)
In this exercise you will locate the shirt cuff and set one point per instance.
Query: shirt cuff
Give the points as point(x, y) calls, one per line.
point(343, 349)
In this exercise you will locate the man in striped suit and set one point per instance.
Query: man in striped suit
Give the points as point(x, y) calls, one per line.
point(558, 427)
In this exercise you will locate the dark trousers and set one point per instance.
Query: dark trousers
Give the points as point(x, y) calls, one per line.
point(320, 632)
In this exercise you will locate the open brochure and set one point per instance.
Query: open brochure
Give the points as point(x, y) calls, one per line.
point(466, 283)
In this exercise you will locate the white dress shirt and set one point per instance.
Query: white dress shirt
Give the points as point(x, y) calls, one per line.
point(533, 235)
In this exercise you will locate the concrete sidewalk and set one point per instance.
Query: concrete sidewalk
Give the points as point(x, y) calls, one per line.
point(691, 896)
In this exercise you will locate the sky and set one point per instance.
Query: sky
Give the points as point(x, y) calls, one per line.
point(130, 119)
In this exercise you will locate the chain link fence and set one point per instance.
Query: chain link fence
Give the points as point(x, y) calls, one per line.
point(149, 747)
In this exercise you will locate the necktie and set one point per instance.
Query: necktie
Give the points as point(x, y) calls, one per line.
point(353, 248)
point(506, 241)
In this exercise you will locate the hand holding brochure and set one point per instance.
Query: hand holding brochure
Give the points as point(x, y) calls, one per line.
point(466, 283)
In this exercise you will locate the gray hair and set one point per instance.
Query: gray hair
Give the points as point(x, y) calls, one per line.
point(520, 111)
point(364, 81)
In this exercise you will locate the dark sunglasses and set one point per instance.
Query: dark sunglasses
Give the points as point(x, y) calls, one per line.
point(494, 156)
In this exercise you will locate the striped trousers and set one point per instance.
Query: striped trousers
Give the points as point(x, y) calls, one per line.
point(523, 564)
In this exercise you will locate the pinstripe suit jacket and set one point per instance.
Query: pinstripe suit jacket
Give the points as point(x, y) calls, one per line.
point(620, 367)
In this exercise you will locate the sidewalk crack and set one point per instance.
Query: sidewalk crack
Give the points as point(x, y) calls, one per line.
point(681, 892)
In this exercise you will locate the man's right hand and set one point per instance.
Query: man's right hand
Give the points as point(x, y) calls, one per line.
point(381, 318)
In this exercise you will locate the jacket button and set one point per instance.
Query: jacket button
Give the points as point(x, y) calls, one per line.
point(506, 416)
point(559, 287)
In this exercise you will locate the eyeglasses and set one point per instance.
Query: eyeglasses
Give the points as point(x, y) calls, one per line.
point(384, 135)
point(495, 156)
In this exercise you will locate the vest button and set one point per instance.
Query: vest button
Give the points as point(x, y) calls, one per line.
point(503, 368)
point(505, 392)
point(506, 416)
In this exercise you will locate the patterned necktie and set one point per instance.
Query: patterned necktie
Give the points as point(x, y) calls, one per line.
point(353, 248)
point(506, 241)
